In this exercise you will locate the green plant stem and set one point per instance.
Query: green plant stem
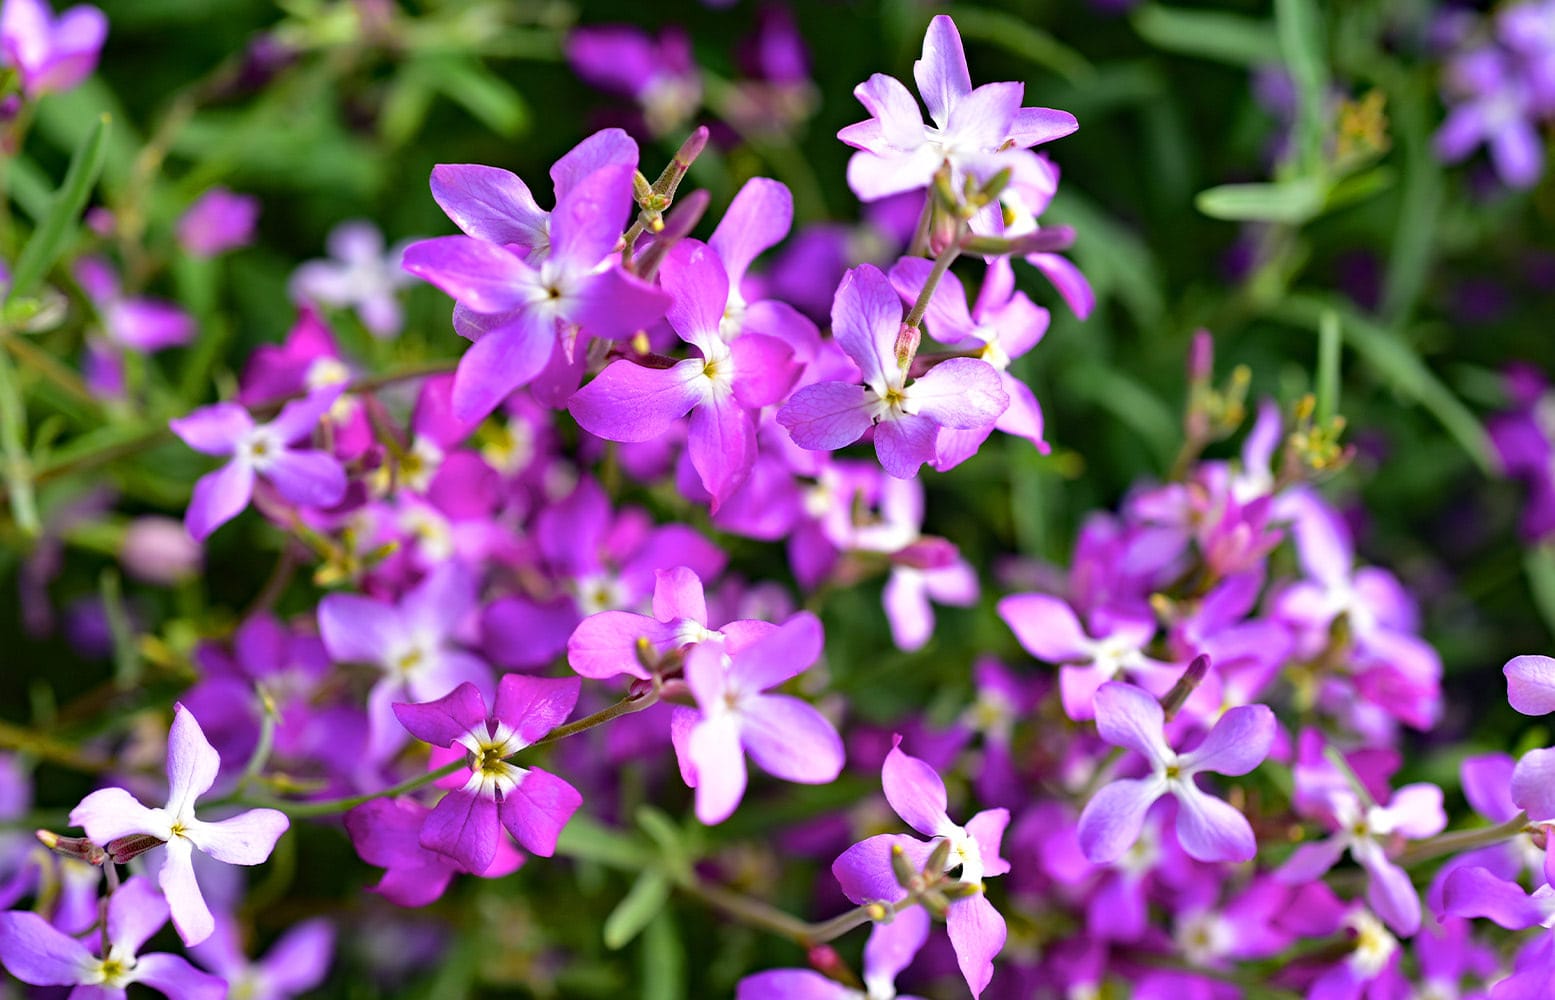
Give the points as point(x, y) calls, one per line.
point(48, 367)
point(764, 916)
point(1455, 841)
point(942, 264)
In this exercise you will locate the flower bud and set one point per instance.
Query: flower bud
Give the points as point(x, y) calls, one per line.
point(158, 550)
point(122, 850)
point(72, 847)
point(901, 867)
point(939, 858)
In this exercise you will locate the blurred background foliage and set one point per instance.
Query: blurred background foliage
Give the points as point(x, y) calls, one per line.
point(331, 111)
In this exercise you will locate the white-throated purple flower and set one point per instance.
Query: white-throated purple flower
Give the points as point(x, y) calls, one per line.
point(1208, 828)
point(786, 736)
point(36, 953)
point(111, 815)
point(532, 804)
point(907, 415)
point(303, 476)
point(359, 274)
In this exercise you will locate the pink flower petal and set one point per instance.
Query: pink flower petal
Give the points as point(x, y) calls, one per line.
point(791, 740)
point(489, 203)
point(757, 219)
point(445, 721)
point(826, 416)
point(1211, 829)
point(463, 826)
point(218, 497)
point(629, 402)
point(536, 811)
point(1113, 818)
point(1530, 684)
point(533, 706)
point(34, 952)
point(915, 790)
point(977, 932)
point(245, 839)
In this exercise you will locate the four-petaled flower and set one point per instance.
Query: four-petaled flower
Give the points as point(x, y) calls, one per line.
point(1207, 828)
point(110, 814)
point(533, 804)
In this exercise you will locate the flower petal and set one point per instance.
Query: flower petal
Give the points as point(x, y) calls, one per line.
point(1113, 818)
point(942, 75)
point(1210, 829)
point(192, 763)
point(463, 826)
point(1045, 626)
point(533, 706)
point(218, 497)
point(1533, 784)
point(977, 932)
point(864, 870)
point(1530, 684)
point(715, 751)
point(191, 917)
point(475, 273)
point(489, 204)
point(34, 952)
point(505, 358)
point(756, 220)
point(213, 430)
point(785, 652)
point(1239, 742)
point(136, 910)
point(826, 416)
point(631, 402)
point(915, 790)
point(307, 478)
point(866, 316)
point(110, 813)
point(791, 740)
point(443, 722)
point(1129, 716)
point(536, 811)
point(245, 839)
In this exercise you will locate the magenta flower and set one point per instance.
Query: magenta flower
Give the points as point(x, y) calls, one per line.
point(960, 394)
point(1208, 828)
point(721, 390)
point(410, 642)
point(305, 477)
point(786, 736)
point(296, 963)
point(143, 325)
point(387, 833)
point(605, 644)
point(36, 953)
point(218, 221)
point(50, 54)
point(111, 814)
point(1476, 892)
point(532, 804)
point(660, 75)
point(978, 132)
point(523, 313)
point(916, 792)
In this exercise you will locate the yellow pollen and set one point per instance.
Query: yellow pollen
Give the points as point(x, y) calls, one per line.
point(489, 762)
point(1173, 771)
point(410, 661)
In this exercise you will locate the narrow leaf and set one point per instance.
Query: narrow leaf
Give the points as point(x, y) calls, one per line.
point(1328, 339)
point(640, 905)
point(1292, 202)
point(58, 225)
point(1227, 38)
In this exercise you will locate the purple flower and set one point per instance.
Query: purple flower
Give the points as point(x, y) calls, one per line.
point(1530, 684)
point(661, 75)
point(410, 642)
point(898, 152)
point(1475, 892)
point(520, 314)
point(387, 833)
point(786, 736)
point(532, 804)
point(961, 393)
point(142, 325)
point(1366, 830)
point(916, 792)
point(219, 220)
point(1003, 325)
point(722, 389)
point(109, 814)
point(305, 477)
point(38, 954)
point(606, 644)
point(360, 275)
point(50, 54)
point(296, 963)
point(1495, 107)
point(1208, 828)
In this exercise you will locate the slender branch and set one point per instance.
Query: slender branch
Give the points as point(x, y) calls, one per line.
point(49, 368)
point(1455, 841)
point(942, 264)
point(626, 706)
point(326, 807)
point(261, 755)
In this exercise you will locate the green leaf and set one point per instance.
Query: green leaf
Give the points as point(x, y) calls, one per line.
point(58, 225)
point(586, 840)
point(13, 441)
point(1329, 337)
point(1227, 38)
point(1359, 187)
point(663, 957)
point(640, 905)
point(1303, 50)
point(491, 99)
point(1293, 202)
point(1539, 565)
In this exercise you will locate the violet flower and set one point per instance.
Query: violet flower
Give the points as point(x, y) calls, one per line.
point(532, 804)
point(960, 393)
point(865, 871)
point(721, 390)
point(786, 736)
point(521, 314)
point(305, 477)
point(111, 815)
point(36, 953)
point(1475, 892)
point(1494, 106)
point(606, 644)
point(219, 220)
point(143, 325)
point(897, 152)
point(1208, 828)
point(387, 833)
point(50, 54)
point(296, 963)
point(660, 75)
point(410, 642)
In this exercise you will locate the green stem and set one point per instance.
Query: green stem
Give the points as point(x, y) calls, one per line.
point(13, 446)
point(942, 264)
point(1455, 841)
point(326, 807)
point(626, 706)
point(261, 755)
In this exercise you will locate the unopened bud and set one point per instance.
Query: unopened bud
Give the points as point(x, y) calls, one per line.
point(72, 847)
point(1190, 679)
point(1201, 357)
point(995, 186)
point(878, 912)
point(641, 189)
point(901, 867)
point(962, 890)
point(935, 902)
point(907, 340)
point(939, 858)
point(125, 849)
point(646, 654)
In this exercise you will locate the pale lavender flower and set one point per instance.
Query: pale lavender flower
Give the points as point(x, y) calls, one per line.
point(890, 949)
point(219, 220)
point(1530, 684)
point(296, 963)
point(977, 132)
point(303, 476)
point(786, 736)
point(960, 394)
point(37, 953)
point(361, 275)
point(1494, 106)
point(50, 54)
point(109, 815)
point(1208, 828)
